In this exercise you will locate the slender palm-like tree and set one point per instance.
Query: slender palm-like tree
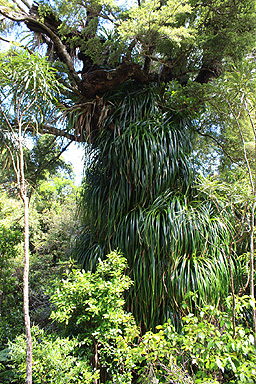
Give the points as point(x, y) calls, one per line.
point(137, 197)
point(27, 82)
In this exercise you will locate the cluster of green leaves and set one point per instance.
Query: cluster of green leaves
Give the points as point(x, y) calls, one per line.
point(153, 22)
point(72, 14)
point(55, 202)
point(90, 306)
point(52, 228)
point(49, 258)
point(10, 284)
point(51, 245)
point(10, 269)
point(94, 331)
point(52, 219)
point(54, 360)
point(229, 35)
point(82, 26)
point(177, 35)
point(205, 350)
point(25, 76)
point(227, 120)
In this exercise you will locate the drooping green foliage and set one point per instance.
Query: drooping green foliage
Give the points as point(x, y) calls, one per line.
point(26, 77)
point(137, 196)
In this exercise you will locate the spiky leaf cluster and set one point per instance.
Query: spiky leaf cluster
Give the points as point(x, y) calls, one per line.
point(137, 196)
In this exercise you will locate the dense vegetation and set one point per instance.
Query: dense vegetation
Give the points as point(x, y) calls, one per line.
point(162, 94)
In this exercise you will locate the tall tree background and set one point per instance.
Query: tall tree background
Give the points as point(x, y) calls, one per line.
point(123, 71)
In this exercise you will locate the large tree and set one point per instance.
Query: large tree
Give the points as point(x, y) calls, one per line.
point(98, 46)
point(121, 70)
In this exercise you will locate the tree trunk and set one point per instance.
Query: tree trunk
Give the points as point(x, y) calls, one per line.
point(24, 197)
point(25, 292)
point(252, 267)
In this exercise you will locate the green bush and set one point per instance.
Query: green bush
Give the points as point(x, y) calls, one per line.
point(90, 307)
point(204, 352)
point(96, 332)
point(54, 360)
point(97, 341)
point(10, 283)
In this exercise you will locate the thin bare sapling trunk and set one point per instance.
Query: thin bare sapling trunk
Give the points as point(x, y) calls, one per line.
point(17, 157)
point(252, 265)
point(244, 103)
point(252, 270)
point(23, 194)
point(22, 187)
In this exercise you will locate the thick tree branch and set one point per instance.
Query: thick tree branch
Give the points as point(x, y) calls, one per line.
point(14, 16)
point(60, 133)
point(60, 47)
point(101, 81)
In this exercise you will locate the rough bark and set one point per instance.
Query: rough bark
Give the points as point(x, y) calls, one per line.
point(101, 81)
